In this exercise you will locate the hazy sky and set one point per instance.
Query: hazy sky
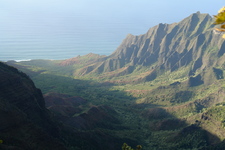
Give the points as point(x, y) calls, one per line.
point(120, 13)
point(95, 20)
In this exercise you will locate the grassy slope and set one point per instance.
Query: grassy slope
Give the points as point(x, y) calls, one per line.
point(136, 102)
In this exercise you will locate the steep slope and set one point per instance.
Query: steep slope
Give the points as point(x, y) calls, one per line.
point(191, 43)
point(170, 82)
point(170, 45)
point(25, 122)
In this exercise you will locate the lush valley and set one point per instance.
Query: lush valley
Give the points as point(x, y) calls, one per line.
point(163, 90)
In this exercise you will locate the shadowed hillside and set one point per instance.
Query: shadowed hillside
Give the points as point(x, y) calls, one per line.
point(163, 90)
point(25, 122)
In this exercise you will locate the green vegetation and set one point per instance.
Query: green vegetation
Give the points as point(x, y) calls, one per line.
point(127, 147)
point(220, 19)
point(167, 90)
point(144, 109)
point(217, 112)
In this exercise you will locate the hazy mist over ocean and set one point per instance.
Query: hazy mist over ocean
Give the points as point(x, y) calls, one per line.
point(55, 37)
point(56, 29)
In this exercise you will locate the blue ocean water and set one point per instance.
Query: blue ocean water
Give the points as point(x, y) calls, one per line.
point(57, 29)
point(47, 34)
point(39, 41)
point(51, 47)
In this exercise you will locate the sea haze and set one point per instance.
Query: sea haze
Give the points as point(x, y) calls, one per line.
point(32, 30)
point(57, 29)
point(54, 37)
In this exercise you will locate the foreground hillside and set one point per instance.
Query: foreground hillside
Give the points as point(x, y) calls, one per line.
point(28, 122)
point(162, 90)
point(25, 122)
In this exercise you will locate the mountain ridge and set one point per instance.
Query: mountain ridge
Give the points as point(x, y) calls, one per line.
point(173, 74)
point(191, 45)
point(169, 45)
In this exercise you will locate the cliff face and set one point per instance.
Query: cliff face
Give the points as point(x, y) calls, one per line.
point(191, 46)
point(25, 122)
point(191, 43)
point(174, 57)
point(170, 45)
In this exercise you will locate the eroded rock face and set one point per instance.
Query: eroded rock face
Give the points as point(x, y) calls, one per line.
point(25, 122)
point(190, 43)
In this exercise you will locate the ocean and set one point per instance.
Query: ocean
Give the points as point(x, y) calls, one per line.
point(49, 29)
point(52, 47)
point(24, 41)
point(37, 33)
point(34, 40)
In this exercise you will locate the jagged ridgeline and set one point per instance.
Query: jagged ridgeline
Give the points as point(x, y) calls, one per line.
point(190, 50)
point(191, 44)
point(162, 90)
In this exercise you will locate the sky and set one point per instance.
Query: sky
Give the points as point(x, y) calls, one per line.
point(100, 23)
point(146, 13)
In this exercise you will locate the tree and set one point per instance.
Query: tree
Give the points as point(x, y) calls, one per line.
point(127, 147)
point(220, 20)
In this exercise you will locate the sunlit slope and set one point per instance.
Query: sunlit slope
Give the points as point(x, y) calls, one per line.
point(167, 82)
